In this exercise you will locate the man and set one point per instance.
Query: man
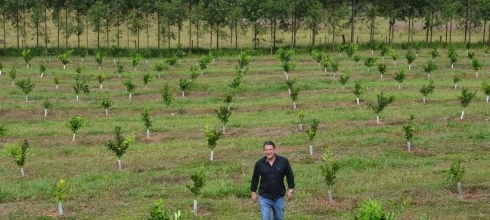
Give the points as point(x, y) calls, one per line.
point(270, 170)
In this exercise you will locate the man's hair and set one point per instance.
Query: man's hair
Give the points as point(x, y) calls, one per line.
point(269, 143)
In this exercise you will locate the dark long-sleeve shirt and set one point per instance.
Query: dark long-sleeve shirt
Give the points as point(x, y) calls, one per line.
point(272, 177)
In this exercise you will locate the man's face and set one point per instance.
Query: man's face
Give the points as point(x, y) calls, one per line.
point(269, 151)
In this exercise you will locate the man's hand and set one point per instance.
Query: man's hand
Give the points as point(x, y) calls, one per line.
point(254, 197)
point(290, 195)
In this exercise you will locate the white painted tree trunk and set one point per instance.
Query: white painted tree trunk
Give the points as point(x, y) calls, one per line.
point(452, 65)
point(294, 105)
point(183, 94)
point(64, 66)
point(22, 171)
point(357, 100)
point(476, 74)
point(13, 82)
point(147, 133)
point(27, 66)
point(130, 95)
point(99, 68)
point(224, 129)
point(408, 146)
point(119, 164)
point(26, 98)
point(381, 76)
point(325, 70)
point(377, 119)
point(100, 86)
point(289, 91)
point(195, 206)
point(60, 208)
point(211, 155)
point(399, 86)
point(394, 62)
point(300, 127)
point(73, 137)
point(77, 97)
point(45, 112)
point(455, 86)
point(460, 190)
point(329, 197)
point(286, 73)
point(334, 74)
point(342, 88)
point(488, 98)
point(106, 111)
point(428, 75)
point(462, 114)
point(57, 86)
point(147, 62)
point(409, 66)
point(0, 72)
point(42, 74)
point(423, 99)
point(311, 150)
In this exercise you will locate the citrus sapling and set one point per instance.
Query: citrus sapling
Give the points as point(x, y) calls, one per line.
point(212, 136)
point(301, 116)
point(167, 95)
point(335, 66)
point(64, 58)
point(106, 104)
point(453, 56)
point(409, 129)
point(47, 105)
point(294, 96)
point(486, 90)
point(146, 119)
point(410, 56)
point(244, 59)
point(75, 124)
point(358, 91)
point(26, 86)
point(136, 60)
point(343, 79)
point(456, 79)
point(383, 102)
point(465, 99)
point(329, 168)
point(394, 56)
point(120, 145)
point(198, 182)
point(429, 68)
point(370, 62)
point(311, 132)
point(27, 55)
point(427, 90)
point(400, 77)
point(290, 84)
point(477, 65)
point(455, 173)
point(42, 69)
point(160, 67)
point(325, 63)
point(99, 58)
point(172, 61)
point(382, 70)
point(57, 81)
point(223, 114)
point(13, 74)
point(184, 85)
point(80, 85)
point(60, 194)
point(100, 78)
point(130, 86)
point(146, 79)
point(357, 58)
point(19, 154)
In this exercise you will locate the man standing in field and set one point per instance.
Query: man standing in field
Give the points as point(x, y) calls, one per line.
point(270, 171)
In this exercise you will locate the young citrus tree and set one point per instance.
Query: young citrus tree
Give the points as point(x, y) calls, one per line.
point(60, 194)
point(146, 79)
point(311, 132)
point(129, 85)
point(146, 119)
point(427, 90)
point(357, 58)
point(383, 102)
point(224, 114)
point(429, 68)
point(409, 128)
point(167, 95)
point(198, 183)
point(410, 56)
point(172, 61)
point(486, 90)
point(452, 55)
point(434, 53)
point(475, 63)
point(120, 145)
point(370, 62)
point(400, 77)
point(343, 79)
point(290, 84)
point(294, 96)
point(456, 79)
point(382, 70)
point(27, 55)
point(212, 136)
point(394, 57)
point(18, 153)
point(13, 74)
point(136, 60)
point(160, 67)
point(325, 63)
point(26, 86)
point(465, 99)
point(301, 116)
point(64, 58)
point(106, 104)
point(42, 69)
point(80, 85)
point(335, 66)
point(47, 105)
point(358, 91)
point(184, 85)
point(57, 81)
point(455, 174)
point(329, 168)
point(385, 50)
point(75, 124)
point(99, 58)
point(244, 59)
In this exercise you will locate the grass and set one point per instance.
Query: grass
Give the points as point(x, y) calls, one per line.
point(373, 157)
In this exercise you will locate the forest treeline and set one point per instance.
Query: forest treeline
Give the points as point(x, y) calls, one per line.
point(164, 21)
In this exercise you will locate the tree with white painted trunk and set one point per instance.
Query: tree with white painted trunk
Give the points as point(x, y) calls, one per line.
point(427, 90)
point(146, 119)
point(80, 85)
point(486, 49)
point(47, 105)
point(409, 129)
point(486, 90)
point(382, 70)
point(120, 145)
point(465, 99)
point(394, 57)
point(477, 66)
point(120, 69)
point(343, 79)
point(146, 79)
point(223, 114)
point(106, 104)
point(99, 57)
point(350, 49)
point(453, 56)
point(358, 91)
point(311, 132)
point(18, 153)
point(471, 55)
point(42, 69)
point(1, 68)
point(26, 86)
point(198, 182)
point(184, 85)
point(228, 98)
point(317, 56)
point(284, 55)
point(383, 102)
point(75, 124)
point(194, 73)
point(204, 61)
point(64, 57)
point(100, 78)
point(385, 50)
point(334, 63)
point(357, 58)
point(329, 168)
point(455, 174)
point(290, 84)
point(370, 62)
point(325, 63)
point(60, 194)
point(294, 96)
point(83, 54)
point(212, 136)
point(301, 116)
point(160, 67)
point(130, 86)
point(456, 79)
point(434, 53)
point(400, 77)
point(410, 56)
point(146, 54)
point(429, 68)
point(27, 55)
point(172, 61)
point(236, 83)
point(136, 60)
point(13, 74)
point(57, 81)
point(244, 59)
point(167, 95)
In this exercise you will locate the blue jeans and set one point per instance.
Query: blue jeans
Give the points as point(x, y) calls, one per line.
point(277, 207)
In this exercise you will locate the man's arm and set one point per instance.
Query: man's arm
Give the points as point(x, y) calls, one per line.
point(254, 183)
